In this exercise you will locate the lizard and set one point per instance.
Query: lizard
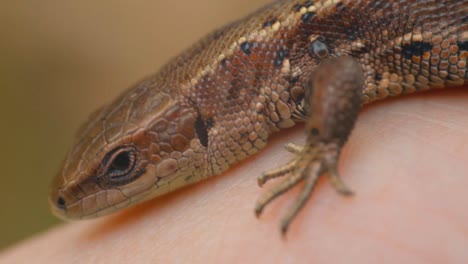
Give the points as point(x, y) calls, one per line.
point(291, 61)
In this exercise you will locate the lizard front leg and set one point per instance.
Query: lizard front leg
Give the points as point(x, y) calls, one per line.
point(333, 99)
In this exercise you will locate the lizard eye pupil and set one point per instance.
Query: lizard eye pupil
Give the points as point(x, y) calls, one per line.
point(121, 162)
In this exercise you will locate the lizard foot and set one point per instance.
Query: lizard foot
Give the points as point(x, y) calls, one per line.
point(310, 163)
point(332, 99)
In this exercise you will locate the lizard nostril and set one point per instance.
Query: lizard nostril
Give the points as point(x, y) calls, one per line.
point(61, 203)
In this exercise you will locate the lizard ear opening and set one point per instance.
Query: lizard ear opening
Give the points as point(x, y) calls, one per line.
point(202, 131)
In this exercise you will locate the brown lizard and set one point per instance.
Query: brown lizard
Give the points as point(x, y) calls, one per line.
point(216, 104)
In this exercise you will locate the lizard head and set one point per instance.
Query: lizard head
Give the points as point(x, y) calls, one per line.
point(143, 145)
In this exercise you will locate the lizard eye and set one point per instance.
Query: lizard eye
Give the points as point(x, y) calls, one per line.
point(120, 162)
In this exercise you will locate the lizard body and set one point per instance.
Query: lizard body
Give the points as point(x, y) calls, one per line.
point(216, 104)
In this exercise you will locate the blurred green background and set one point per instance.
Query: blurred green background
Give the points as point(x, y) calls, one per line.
point(60, 60)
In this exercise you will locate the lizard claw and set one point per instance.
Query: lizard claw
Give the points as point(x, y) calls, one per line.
point(293, 148)
point(310, 163)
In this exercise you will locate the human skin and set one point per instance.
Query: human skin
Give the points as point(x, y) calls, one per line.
point(406, 160)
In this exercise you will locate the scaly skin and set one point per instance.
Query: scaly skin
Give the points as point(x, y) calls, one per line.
point(217, 103)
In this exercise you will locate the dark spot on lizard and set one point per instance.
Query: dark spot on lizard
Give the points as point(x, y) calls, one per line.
point(465, 19)
point(463, 45)
point(351, 33)
point(280, 56)
point(308, 3)
point(363, 49)
point(233, 92)
point(297, 7)
point(307, 16)
point(223, 62)
point(209, 123)
point(378, 77)
point(245, 47)
point(202, 131)
point(244, 134)
point(293, 80)
point(319, 49)
point(416, 48)
point(340, 6)
point(269, 23)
